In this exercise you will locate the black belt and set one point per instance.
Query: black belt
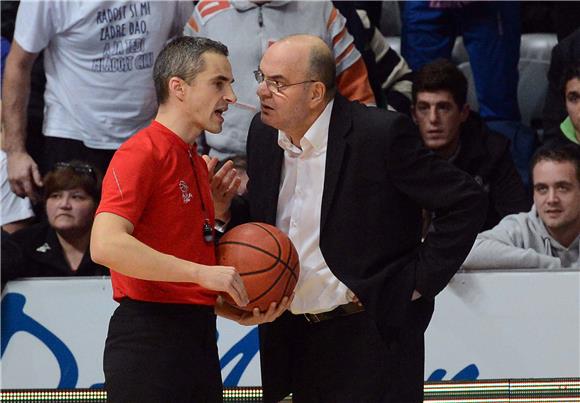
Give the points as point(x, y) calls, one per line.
point(341, 310)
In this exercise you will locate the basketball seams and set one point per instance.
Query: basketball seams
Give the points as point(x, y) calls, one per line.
point(276, 262)
point(284, 269)
point(267, 290)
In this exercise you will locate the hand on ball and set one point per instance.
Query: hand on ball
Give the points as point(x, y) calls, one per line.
point(225, 279)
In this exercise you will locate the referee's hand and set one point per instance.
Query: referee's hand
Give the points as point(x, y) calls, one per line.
point(225, 279)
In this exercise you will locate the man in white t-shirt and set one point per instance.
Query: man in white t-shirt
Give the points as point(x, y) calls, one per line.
point(15, 213)
point(248, 28)
point(98, 59)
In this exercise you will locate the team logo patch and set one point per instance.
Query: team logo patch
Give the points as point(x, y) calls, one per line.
point(43, 248)
point(185, 193)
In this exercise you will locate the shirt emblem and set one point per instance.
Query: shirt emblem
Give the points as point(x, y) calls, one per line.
point(44, 248)
point(185, 193)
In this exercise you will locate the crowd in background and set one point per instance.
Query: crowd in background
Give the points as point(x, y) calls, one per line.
point(77, 84)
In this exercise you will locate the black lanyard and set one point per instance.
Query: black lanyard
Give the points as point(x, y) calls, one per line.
point(206, 229)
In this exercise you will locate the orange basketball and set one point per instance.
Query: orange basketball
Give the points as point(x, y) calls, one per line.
point(266, 260)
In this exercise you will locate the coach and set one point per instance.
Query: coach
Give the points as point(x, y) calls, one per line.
point(347, 183)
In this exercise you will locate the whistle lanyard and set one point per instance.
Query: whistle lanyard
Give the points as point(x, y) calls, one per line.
point(206, 230)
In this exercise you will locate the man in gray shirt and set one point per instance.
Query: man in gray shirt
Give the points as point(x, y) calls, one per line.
point(549, 235)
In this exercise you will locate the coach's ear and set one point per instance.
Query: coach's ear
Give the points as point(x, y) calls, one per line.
point(317, 93)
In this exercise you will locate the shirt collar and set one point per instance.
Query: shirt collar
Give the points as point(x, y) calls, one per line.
point(569, 131)
point(316, 137)
point(174, 139)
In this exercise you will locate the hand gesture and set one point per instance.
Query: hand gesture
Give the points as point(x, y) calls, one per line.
point(224, 185)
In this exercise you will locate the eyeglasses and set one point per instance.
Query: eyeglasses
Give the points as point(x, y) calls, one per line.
point(84, 169)
point(273, 85)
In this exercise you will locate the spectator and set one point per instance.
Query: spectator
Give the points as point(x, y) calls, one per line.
point(16, 212)
point(389, 74)
point(60, 245)
point(99, 91)
point(549, 235)
point(491, 34)
point(559, 17)
point(460, 136)
point(258, 25)
point(569, 129)
point(346, 183)
point(565, 53)
point(35, 109)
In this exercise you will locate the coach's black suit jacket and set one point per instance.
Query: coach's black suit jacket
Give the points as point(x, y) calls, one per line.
point(378, 177)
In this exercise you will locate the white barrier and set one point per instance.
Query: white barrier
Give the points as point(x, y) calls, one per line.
point(508, 325)
point(487, 325)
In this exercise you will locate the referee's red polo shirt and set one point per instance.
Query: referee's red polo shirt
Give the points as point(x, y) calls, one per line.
point(151, 183)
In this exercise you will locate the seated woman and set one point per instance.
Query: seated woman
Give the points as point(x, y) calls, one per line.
point(58, 246)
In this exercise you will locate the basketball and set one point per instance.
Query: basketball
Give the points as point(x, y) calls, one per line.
point(265, 259)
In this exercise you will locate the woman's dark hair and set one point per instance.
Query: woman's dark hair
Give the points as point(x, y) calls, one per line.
point(71, 175)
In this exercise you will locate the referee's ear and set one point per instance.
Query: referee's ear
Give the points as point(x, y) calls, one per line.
point(176, 89)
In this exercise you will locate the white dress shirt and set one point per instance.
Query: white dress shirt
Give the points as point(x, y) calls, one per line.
point(298, 215)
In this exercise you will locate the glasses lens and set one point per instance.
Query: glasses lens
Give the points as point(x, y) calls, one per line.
point(272, 86)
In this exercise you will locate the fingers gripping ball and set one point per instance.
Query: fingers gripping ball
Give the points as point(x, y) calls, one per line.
point(266, 260)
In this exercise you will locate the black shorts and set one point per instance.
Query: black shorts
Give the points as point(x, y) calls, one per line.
point(162, 353)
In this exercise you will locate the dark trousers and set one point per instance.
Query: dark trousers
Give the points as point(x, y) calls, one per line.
point(491, 32)
point(162, 353)
point(344, 359)
point(65, 150)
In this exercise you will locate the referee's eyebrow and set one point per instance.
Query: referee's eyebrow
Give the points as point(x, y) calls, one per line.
point(224, 78)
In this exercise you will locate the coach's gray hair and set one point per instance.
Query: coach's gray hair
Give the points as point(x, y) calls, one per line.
point(182, 58)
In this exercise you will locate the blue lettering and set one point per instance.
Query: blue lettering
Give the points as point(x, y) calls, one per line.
point(469, 373)
point(15, 320)
point(247, 347)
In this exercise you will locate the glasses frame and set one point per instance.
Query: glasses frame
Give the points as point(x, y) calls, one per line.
point(274, 86)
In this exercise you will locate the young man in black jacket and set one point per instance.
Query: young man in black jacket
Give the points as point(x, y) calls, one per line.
point(460, 136)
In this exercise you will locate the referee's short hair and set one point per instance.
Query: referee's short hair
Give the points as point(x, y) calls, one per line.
point(182, 57)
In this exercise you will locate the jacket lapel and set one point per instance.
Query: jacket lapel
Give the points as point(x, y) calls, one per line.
point(340, 125)
point(275, 155)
